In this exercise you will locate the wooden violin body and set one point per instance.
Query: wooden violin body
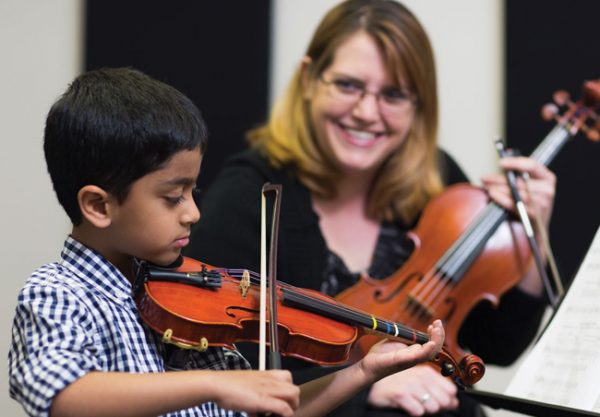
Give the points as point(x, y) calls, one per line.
point(423, 288)
point(311, 326)
point(194, 317)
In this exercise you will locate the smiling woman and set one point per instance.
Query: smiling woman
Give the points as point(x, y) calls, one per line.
point(361, 115)
point(353, 141)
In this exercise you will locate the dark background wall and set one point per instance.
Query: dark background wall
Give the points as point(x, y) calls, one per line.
point(218, 54)
point(551, 45)
point(215, 52)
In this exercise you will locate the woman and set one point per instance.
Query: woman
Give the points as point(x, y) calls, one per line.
point(353, 142)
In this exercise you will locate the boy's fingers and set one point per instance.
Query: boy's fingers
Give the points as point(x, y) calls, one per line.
point(281, 374)
point(285, 391)
point(281, 408)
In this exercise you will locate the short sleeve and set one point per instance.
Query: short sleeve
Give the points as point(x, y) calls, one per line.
point(52, 346)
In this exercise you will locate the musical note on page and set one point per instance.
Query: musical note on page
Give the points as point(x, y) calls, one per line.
point(563, 366)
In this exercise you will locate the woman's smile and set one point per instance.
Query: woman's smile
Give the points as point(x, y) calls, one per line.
point(360, 137)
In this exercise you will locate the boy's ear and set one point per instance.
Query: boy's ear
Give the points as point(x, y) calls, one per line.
point(307, 85)
point(94, 203)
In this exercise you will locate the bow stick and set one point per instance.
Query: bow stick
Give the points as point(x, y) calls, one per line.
point(274, 355)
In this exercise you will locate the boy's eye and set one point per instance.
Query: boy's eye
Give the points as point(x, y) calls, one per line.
point(193, 193)
point(174, 200)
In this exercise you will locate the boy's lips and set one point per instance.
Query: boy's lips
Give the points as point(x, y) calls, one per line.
point(182, 242)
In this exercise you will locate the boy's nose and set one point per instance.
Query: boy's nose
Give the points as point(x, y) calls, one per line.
point(192, 212)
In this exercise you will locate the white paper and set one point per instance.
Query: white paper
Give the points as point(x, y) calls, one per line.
point(563, 368)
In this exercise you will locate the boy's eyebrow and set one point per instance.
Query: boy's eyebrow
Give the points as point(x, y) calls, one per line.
point(182, 181)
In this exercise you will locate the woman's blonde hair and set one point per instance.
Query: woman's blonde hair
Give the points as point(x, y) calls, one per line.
point(410, 176)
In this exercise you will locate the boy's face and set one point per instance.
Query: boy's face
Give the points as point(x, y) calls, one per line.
point(154, 221)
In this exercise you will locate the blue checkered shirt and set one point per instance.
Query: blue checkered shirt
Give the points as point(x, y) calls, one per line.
point(77, 316)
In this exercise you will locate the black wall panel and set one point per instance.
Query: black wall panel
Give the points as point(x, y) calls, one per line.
point(216, 52)
point(550, 45)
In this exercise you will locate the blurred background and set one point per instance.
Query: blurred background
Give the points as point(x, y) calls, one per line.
point(498, 63)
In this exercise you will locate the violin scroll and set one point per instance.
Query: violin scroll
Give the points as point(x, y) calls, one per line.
point(580, 115)
point(467, 372)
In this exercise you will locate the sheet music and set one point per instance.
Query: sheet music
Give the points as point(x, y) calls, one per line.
point(564, 366)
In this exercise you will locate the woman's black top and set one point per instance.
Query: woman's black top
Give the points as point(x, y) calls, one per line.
point(228, 235)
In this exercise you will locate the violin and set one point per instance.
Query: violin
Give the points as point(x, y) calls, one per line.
point(467, 249)
point(196, 306)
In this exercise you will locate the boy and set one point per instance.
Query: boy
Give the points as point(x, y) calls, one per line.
point(123, 152)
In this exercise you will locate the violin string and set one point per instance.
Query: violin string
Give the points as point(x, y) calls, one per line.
point(291, 289)
point(467, 249)
point(458, 260)
point(555, 140)
point(436, 275)
point(351, 314)
point(415, 302)
point(450, 267)
point(354, 316)
point(254, 278)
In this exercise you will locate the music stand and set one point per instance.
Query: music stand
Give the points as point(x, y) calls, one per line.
point(524, 406)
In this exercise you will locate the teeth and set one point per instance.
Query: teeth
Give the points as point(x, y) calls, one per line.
point(361, 134)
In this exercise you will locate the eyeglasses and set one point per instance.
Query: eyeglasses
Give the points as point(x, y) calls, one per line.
point(350, 91)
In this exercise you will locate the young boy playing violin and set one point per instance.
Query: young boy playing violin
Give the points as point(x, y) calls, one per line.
point(123, 153)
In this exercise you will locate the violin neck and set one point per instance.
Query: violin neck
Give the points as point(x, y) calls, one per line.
point(459, 257)
point(551, 145)
point(345, 314)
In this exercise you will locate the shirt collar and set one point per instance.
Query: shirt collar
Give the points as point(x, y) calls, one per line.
point(95, 269)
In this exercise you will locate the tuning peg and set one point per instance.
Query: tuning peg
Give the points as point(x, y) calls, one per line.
point(549, 111)
point(591, 133)
point(561, 97)
point(592, 92)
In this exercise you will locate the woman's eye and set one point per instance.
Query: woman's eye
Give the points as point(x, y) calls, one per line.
point(394, 95)
point(348, 86)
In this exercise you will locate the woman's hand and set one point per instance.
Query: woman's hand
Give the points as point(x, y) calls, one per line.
point(537, 195)
point(320, 396)
point(418, 391)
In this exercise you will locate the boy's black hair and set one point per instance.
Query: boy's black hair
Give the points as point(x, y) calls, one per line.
point(112, 127)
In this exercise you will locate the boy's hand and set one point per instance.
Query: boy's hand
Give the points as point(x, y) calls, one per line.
point(388, 357)
point(257, 392)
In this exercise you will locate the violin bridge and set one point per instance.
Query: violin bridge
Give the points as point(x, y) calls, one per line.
point(245, 283)
point(200, 347)
point(417, 308)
